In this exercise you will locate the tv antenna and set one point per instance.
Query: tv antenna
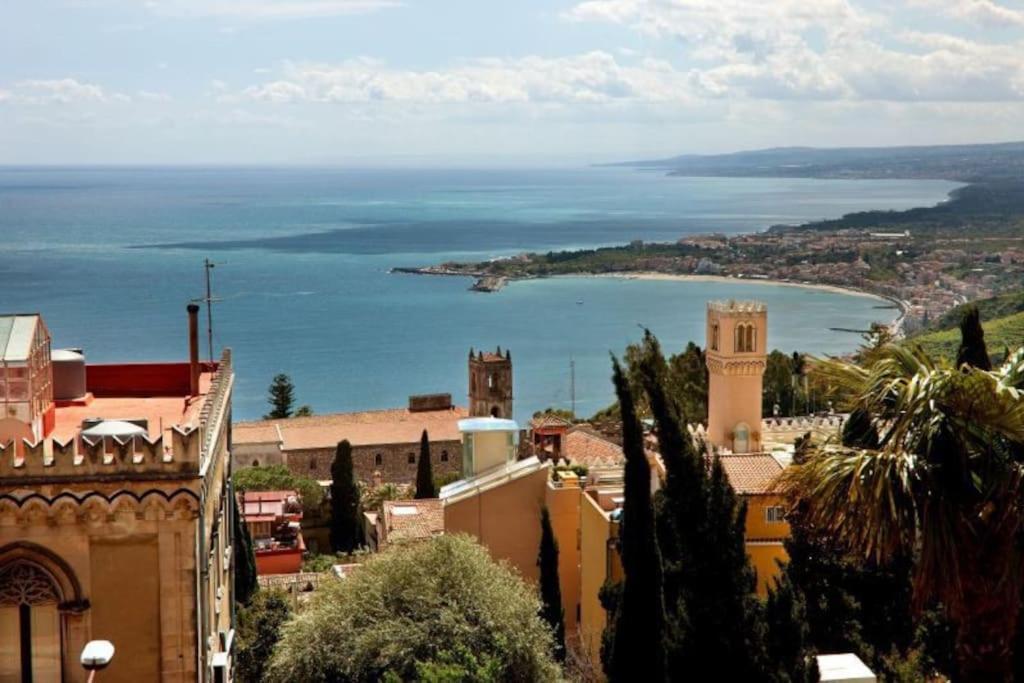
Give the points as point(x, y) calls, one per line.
point(209, 300)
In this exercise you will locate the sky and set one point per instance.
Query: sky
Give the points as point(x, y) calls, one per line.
point(497, 81)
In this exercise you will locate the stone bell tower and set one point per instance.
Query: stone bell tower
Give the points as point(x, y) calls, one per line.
point(490, 384)
point(737, 345)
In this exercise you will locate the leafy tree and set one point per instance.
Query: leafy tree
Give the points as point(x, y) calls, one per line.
point(550, 588)
point(281, 397)
point(424, 472)
point(440, 610)
point(788, 641)
point(972, 349)
point(304, 410)
point(258, 629)
point(245, 559)
point(279, 478)
point(346, 530)
point(636, 647)
point(566, 415)
point(941, 488)
point(778, 389)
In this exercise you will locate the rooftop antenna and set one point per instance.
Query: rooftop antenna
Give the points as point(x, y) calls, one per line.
point(209, 300)
point(572, 384)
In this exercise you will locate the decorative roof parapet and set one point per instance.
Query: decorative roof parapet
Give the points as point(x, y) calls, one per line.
point(733, 306)
point(213, 415)
point(83, 457)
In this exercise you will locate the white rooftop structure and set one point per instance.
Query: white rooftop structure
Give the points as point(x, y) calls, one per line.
point(844, 668)
point(17, 333)
point(488, 424)
point(489, 479)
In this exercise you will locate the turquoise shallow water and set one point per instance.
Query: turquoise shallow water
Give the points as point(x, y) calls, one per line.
point(111, 257)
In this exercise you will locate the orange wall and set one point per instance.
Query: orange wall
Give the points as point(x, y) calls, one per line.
point(733, 399)
point(140, 379)
point(595, 531)
point(564, 508)
point(279, 562)
point(505, 518)
point(764, 541)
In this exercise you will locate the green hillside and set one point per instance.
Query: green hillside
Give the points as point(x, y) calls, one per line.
point(990, 309)
point(1000, 334)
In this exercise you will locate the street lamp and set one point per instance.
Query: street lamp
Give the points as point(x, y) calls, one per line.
point(96, 655)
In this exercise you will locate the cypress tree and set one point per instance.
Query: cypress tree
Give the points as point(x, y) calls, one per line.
point(972, 349)
point(789, 652)
point(245, 559)
point(281, 397)
point(550, 589)
point(424, 472)
point(636, 650)
point(345, 526)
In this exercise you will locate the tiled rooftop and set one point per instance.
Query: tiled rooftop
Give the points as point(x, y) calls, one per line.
point(396, 425)
point(582, 447)
point(751, 474)
point(411, 520)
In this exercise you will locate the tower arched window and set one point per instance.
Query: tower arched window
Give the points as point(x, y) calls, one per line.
point(30, 622)
point(714, 337)
point(750, 338)
point(741, 438)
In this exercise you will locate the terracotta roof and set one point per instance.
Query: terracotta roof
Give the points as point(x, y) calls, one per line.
point(751, 475)
point(585, 448)
point(547, 420)
point(412, 520)
point(396, 425)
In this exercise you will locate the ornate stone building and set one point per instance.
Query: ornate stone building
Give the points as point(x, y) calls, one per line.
point(116, 519)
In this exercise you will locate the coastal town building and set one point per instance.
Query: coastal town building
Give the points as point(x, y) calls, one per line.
point(274, 521)
point(385, 443)
point(115, 512)
point(737, 335)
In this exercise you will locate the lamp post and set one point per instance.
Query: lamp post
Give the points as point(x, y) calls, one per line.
point(96, 655)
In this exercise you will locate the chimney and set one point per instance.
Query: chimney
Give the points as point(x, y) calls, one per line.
point(193, 349)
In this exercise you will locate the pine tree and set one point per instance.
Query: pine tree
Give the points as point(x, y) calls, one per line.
point(245, 559)
point(345, 527)
point(789, 653)
point(281, 397)
point(550, 589)
point(972, 349)
point(424, 472)
point(636, 650)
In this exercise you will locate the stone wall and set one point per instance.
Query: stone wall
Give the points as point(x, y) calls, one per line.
point(393, 461)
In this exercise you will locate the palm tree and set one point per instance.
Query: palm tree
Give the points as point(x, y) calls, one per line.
point(943, 485)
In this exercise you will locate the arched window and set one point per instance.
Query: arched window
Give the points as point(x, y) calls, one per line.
point(740, 340)
point(714, 337)
point(444, 456)
point(741, 438)
point(378, 459)
point(495, 411)
point(255, 463)
point(750, 338)
point(30, 621)
point(312, 464)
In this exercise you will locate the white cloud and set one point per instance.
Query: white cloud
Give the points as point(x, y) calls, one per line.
point(4, 95)
point(63, 91)
point(589, 78)
point(149, 96)
point(266, 9)
point(824, 50)
point(981, 12)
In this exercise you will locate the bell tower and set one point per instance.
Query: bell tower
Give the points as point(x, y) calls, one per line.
point(490, 384)
point(737, 342)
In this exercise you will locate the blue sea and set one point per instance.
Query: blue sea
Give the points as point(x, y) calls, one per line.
point(111, 256)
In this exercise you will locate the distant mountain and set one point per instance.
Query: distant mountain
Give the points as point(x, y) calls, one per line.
point(951, 162)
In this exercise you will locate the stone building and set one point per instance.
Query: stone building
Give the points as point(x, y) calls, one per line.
point(115, 513)
point(490, 384)
point(385, 443)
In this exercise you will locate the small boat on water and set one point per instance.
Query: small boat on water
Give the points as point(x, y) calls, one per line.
point(579, 302)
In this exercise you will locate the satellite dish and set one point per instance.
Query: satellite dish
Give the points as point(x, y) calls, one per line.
point(118, 428)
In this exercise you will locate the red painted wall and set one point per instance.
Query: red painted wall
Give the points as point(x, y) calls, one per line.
point(140, 379)
point(287, 561)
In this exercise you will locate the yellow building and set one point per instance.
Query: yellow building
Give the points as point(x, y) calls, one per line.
point(116, 519)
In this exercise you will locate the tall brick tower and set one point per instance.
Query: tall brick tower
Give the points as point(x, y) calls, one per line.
point(736, 357)
point(490, 384)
